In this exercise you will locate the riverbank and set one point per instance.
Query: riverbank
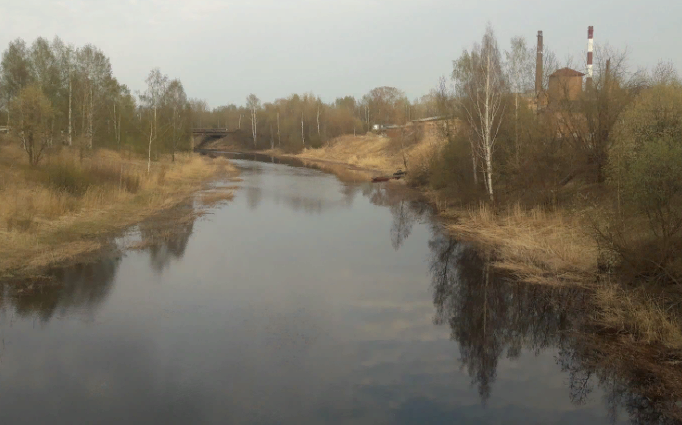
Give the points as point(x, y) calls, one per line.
point(554, 246)
point(68, 206)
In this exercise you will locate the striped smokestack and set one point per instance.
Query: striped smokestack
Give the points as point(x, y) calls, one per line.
point(590, 46)
point(538, 65)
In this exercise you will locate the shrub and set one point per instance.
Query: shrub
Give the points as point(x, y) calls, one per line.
point(453, 170)
point(645, 168)
point(70, 177)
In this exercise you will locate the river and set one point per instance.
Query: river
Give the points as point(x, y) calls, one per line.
point(305, 300)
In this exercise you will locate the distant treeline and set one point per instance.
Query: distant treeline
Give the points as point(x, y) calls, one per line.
point(306, 121)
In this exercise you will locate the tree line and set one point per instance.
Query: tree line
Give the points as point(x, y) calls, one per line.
point(305, 120)
point(618, 133)
point(54, 93)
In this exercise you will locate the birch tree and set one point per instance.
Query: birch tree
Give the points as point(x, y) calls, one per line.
point(279, 137)
point(94, 71)
point(65, 60)
point(253, 103)
point(16, 71)
point(156, 88)
point(176, 100)
point(480, 85)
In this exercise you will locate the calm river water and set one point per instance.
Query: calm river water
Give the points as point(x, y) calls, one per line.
point(305, 300)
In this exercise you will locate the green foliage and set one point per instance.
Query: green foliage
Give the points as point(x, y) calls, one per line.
point(645, 169)
point(653, 183)
point(32, 115)
point(452, 171)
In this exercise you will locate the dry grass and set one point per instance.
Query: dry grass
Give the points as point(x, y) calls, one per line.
point(368, 151)
point(62, 209)
point(537, 246)
point(374, 152)
point(554, 248)
point(638, 315)
point(215, 197)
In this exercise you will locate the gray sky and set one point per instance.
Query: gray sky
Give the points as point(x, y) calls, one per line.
point(223, 50)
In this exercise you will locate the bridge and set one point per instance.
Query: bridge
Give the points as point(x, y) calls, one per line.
point(203, 136)
point(211, 132)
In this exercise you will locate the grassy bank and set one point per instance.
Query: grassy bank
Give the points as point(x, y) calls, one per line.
point(68, 205)
point(543, 245)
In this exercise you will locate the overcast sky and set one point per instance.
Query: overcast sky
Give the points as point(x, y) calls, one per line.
point(222, 50)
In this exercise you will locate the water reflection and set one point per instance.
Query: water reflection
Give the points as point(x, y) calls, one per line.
point(165, 247)
point(81, 288)
point(647, 388)
point(406, 207)
point(321, 323)
point(491, 317)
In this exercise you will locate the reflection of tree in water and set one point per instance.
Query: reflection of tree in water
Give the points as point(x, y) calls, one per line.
point(349, 191)
point(82, 287)
point(473, 306)
point(625, 375)
point(254, 194)
point(405, 207)
point(166, 242)
point(490, 316)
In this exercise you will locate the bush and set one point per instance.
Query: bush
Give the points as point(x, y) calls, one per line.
point(67, 177)
point(645, 169)
point(70, 177)
point(453, 170)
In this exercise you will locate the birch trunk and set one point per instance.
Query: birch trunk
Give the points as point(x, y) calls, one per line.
point(302, 134)
point(149, 152)
point(486, 132)
point(254, 126)
point(272, 138)
point(70, 122)
point(116, 131)
point(90, 119)
point(318, 122)
point(516, 127)
point(279, 138)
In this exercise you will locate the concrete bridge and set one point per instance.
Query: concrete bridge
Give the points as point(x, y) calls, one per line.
point(211, 132)
point(203, 136)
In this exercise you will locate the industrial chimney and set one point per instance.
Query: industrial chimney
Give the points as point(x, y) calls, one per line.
point(538, 66)
point(590, 46)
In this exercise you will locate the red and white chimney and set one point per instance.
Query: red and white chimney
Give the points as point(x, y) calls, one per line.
point(590, 47)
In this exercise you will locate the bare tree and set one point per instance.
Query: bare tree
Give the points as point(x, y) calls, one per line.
point(253, 103)
point(318, 121)
point(302, 133)
point(480, 85)
point(279, 137)
point(157, 85)
point(519, 67)
point(94, 70)
point(177, 101)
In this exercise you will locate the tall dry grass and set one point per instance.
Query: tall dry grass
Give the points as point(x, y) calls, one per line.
point(638, 314)
point(557, 248)
point(537, 245)
point(375, 152)
point(60, 209)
